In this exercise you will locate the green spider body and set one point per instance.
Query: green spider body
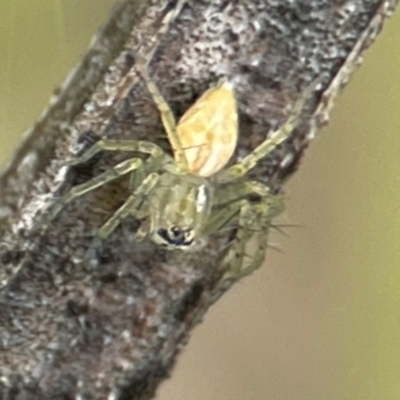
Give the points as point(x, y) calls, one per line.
point(183, 200)
point(186, 203)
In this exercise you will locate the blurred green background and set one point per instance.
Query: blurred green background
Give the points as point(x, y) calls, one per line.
point(322, 319)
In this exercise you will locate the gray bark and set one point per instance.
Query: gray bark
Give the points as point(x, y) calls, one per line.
point(111, 327)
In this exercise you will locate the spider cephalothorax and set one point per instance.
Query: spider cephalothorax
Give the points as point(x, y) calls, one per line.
point(186, 203)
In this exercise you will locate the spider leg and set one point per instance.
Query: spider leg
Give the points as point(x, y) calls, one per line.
point(261, 242)
point(235, 191)
point(139, 146)
point(253, 221)
point(130, 206)
point(226, 203)
point(233, 265)
point(249, 162)
point(268, 145)
point(167, 116)
point(142, 232)
point(79, 190)
point(152, 164)
point(222, 218)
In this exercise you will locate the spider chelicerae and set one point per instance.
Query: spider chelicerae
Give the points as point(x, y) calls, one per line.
point(185, 198)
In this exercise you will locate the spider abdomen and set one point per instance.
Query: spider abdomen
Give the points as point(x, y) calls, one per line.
point(208, 131)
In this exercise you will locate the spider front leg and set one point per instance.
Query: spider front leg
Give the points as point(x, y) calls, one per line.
point(117, 171)
point(253, 221)
point(226, 203)
point(131, 206)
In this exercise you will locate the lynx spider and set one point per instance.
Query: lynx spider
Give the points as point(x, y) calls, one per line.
point(185, 198)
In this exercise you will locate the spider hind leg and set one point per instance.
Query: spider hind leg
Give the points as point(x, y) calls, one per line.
point(167, 116)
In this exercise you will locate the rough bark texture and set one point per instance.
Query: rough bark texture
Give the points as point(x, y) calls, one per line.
point(111, 327)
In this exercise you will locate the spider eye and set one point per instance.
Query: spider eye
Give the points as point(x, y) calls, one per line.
point(176, 236)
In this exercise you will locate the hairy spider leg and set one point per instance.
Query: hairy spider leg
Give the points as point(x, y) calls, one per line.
point(233, 263)
point(227, 200)
point(167, 117)
point(263, 219)
point(79, 190)
point(130, 206)
point(253, 221)
point(115, 172)
point(250, 218)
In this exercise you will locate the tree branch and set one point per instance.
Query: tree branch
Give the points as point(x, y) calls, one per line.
point(111, 327)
